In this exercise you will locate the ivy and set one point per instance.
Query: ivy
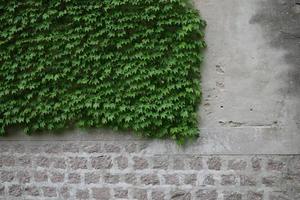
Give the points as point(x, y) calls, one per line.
point(124, 64)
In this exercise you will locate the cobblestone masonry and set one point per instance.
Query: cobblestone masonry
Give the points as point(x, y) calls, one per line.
point(104, 170)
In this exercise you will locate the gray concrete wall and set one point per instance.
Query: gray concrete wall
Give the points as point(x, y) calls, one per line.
point(249, 148)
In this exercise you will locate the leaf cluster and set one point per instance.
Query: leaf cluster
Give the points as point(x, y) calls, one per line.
point(125, 64)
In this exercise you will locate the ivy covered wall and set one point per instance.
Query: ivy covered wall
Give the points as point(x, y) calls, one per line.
point(125, 64)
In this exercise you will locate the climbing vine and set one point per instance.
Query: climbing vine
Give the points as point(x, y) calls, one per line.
point(124, 64)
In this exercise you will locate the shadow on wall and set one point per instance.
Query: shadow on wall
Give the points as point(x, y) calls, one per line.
point(280, 19)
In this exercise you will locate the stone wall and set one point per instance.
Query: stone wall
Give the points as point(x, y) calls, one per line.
point(249, 144)
point(106, 170)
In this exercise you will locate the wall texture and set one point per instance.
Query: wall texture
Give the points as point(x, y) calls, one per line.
point(249, 148)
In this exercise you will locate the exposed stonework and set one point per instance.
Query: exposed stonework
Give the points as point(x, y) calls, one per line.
point(99, 175)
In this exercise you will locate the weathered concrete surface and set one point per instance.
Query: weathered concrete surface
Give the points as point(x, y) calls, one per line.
point(251, 76)
point(249, 148)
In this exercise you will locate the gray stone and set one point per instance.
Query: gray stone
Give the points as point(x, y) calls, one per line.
point(92, 148)
point(15, 190)
point(214, 163)
point(294, 165)
point(59, 163)
point(64, 193)
point(140, 163)
point(131, 148)
point(19, 148)
point(111, 148)
point(237, 164)
point(91, 177)
point(171, 179)
point(270, 181)
point(78, 163)
point(24, 161)
point(232, 196)
point(178, 163)
point(160, 162)
point(256, 163)
point(74, 178)
point(254, 195)
point(280, 195)
point(209, 180)
point(53, 148)
point(247, 180)
point(181, 195)
point(276, 165)
point(111, 178)
point(2, 190)
point(150, 179)
point(49, 191)
point(57, 177)
point(121, 193)
point(7, 161)
point(82, 194)
point(130, 178)
point(101, 162)
point(157, 195)
point(71, 147)
point(101, 193)
point(190, 179)
point(43, 161)
point(4, 148)
point(6, 176)
point(228, 179)
point(40, 176)
point(207, 194)
point(35, 149)
point(122, 162)
point(32, 191)
point(23, 177)
point(140, 194)
point(195, 163)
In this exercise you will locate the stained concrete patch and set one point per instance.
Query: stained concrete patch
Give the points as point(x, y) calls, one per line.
point(280, 20)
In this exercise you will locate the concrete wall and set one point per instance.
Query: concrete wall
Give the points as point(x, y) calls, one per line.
point(249, 147)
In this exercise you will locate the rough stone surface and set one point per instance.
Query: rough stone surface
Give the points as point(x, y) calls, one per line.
point(249, 123)
point(6, 176)
point(91, 177)
point(228, 179)
point(101, 162)
point(82, 194)
point(121, 193)
point(214, 163)
point(32, 191)
point(139, 194)
point(140, 163)
point(40, 176)
point(157, 195)
point(254, 195)
point(232, 196)
point(180, 195)
point(57, 177)
point(101, 193)
point(49, 191)
point(247, 180)
point(15, 190)
point(207, 194)
point(150, 179)
point(140, 175)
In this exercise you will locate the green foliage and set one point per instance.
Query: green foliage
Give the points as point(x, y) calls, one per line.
point(125, 64)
